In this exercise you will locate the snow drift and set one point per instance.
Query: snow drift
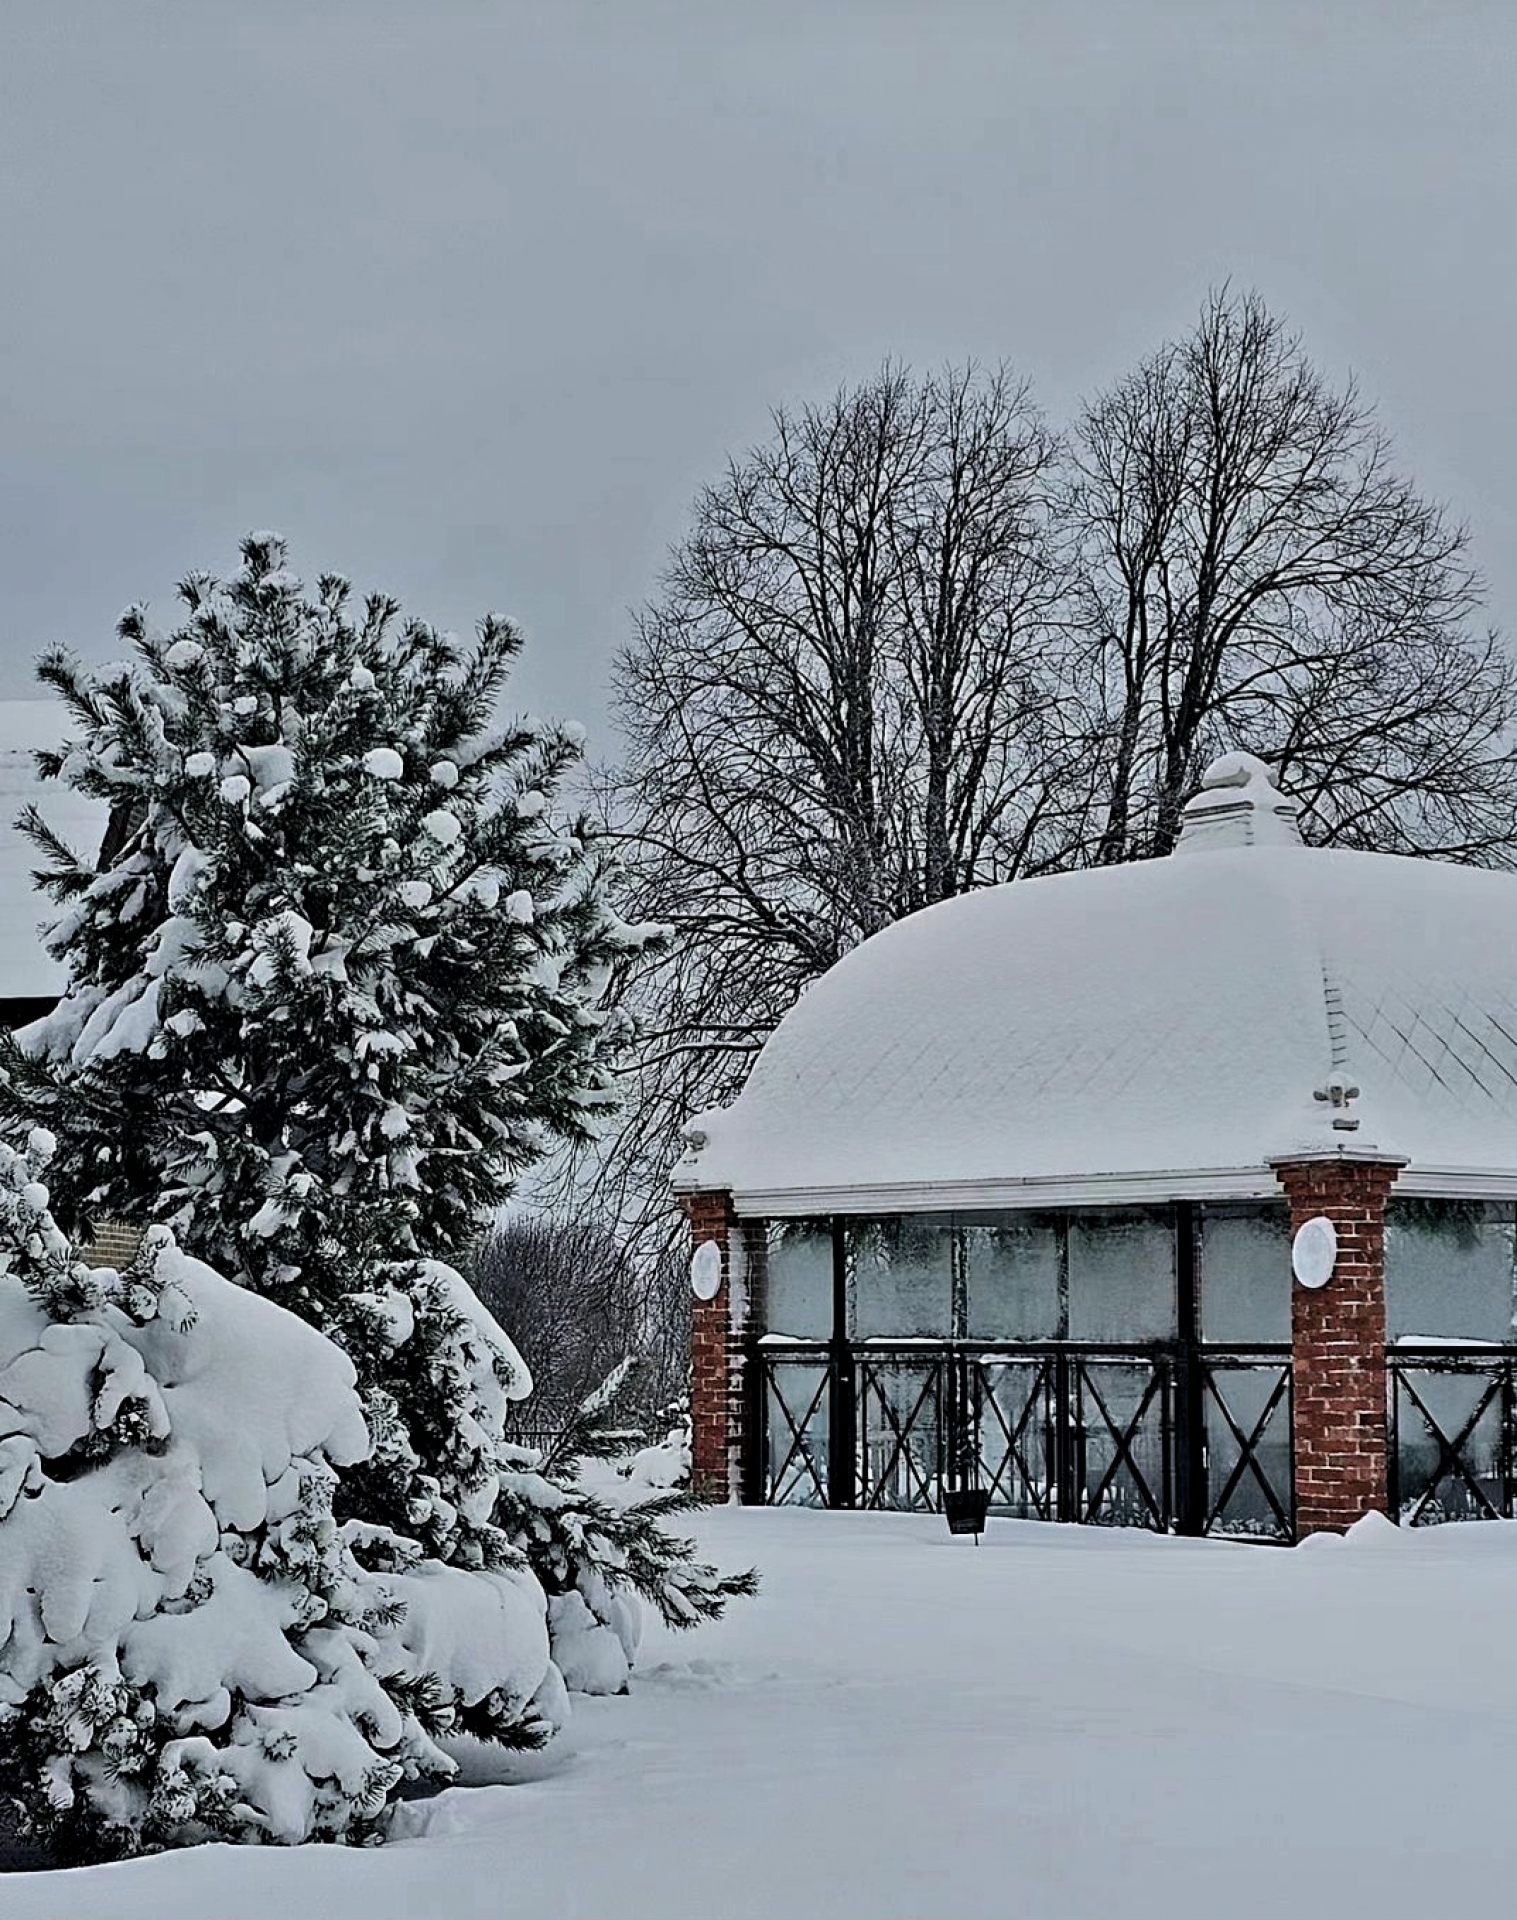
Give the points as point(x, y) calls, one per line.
point(190, 1643)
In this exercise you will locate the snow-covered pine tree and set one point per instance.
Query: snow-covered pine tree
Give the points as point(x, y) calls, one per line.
point(189, 1648)
point(593, 1552)
point(334, 984)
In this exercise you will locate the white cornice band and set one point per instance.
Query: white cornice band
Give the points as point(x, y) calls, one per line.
point(1089, 1190)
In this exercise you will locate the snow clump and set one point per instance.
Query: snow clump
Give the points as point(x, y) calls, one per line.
point(191, 1646)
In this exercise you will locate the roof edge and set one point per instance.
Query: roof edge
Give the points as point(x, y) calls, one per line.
point(953, 1196)
point(1102, 1190)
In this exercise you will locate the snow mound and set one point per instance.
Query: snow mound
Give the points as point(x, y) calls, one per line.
point(190, 1647)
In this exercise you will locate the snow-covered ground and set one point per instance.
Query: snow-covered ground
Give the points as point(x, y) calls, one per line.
point(1061, 1722)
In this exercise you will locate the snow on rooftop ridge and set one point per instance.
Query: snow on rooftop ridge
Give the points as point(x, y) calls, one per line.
point(1163, 1028)
point(1239, 805)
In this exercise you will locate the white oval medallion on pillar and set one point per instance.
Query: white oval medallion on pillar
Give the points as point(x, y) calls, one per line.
point(706, 1271)
point(1314, 1252)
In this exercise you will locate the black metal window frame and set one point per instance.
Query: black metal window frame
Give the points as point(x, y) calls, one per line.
point(1417, 1497)
point(1215, 1491)
point(855, 1442)
point(879, 1452)
point(923, 1417)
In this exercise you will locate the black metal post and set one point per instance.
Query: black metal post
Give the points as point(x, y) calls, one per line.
point(755, 1450)
point(1065, 1472)
point(842, 1409)
point(961, 1436)
point(1190, 1388)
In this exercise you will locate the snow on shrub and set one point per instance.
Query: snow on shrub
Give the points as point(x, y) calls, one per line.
point(663, 1464)
point(302, 1031)
point(190, 1646)
point(601, 1546)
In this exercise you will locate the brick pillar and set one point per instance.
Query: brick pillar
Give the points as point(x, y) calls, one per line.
point(1338, 1342)
point(716, 1403)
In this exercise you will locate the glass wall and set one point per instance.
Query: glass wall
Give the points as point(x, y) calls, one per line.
point(799, 1283)
point(1122, 1274)
point(1449, 1270)
point(1015, 1275)
point(1108, 1275)
point(1065, 1391)
point(1097, 1276)
point(1245, 1274)
point(901, 1277)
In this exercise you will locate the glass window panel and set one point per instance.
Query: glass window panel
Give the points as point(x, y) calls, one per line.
point(903, 1276)
point(1432, 1486)
point(1246, 1393)
point(800, 1279)
point(1122, 1275)
point(1118, 1401)
point(798, 1434)
point(1012, 1275)
point(1246, 1275)
point(1018, 1403)
point(900, 1411)
point(1448, 1270)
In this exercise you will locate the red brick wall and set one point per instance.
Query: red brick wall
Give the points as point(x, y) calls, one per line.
point(114, 1245)
point(715, 1383)
point(1338, 1345)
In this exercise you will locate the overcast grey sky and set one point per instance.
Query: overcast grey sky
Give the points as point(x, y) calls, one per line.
point(469, 297)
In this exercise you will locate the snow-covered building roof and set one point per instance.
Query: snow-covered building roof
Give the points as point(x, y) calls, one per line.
point(26, 972)
point(1156, 1030)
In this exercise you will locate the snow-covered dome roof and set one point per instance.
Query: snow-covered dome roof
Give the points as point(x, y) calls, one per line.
point(1154, 1030)
point(26, 972)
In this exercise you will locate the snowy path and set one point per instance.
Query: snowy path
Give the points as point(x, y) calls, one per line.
point(1062, 1725)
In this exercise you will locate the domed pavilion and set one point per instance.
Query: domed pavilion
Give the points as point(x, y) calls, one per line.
point(1010, 1197)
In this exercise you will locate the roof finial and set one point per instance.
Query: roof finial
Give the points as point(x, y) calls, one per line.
point(1340, 1096)
point(1239, 805)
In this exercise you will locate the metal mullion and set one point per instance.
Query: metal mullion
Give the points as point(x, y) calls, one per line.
point(958, 1284)
point(1167, 1436)
point(755, 1451)
point(1062, 1449)
point(953, 1421)
point(1187, 1438)
point(1506, 1438)
point(843, 1464)
point(940, 1368)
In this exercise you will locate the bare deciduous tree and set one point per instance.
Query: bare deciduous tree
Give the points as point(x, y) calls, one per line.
point(913, 646)
point(1254, 571)
point(577, 1299)
point(846, 705)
